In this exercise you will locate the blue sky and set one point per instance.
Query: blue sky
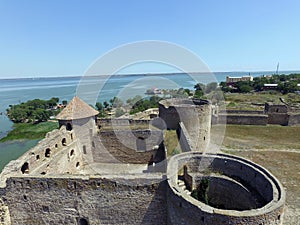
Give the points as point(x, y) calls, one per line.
point(63, 37)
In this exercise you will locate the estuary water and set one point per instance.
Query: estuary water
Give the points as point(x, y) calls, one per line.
point(92, 89)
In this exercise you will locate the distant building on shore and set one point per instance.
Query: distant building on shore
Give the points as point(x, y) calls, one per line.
point(270, 87)
point(230, 80)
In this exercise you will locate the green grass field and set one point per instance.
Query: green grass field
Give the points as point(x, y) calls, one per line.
point(30, 131)
point(259, 137)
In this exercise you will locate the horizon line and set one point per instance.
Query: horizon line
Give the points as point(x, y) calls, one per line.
point(147, 74)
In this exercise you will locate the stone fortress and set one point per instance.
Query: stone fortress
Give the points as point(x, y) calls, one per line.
point(276, 114)
point(88, 172)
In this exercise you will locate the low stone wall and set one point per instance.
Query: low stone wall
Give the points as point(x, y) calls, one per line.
point(275, 108)
point(294, 119)
point(272, 115)
point(121, 122)
point(248, 112)
point(97, 200)
point(278, 118)
point(243, 119)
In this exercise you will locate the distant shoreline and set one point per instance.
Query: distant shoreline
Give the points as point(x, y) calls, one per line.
point(149, 74)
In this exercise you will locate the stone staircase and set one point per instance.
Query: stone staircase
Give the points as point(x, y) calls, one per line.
point(182, 186)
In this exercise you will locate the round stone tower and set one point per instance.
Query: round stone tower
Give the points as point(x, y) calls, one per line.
point(222, 189)
point(191, 118)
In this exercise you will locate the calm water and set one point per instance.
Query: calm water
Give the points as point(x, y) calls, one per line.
point(15, 91)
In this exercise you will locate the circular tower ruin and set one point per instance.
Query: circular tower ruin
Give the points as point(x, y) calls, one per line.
point(191, 118)
point(222, 189)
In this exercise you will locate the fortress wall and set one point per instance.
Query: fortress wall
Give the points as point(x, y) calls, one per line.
point(121, 122)
point(278, 118)
point(184, 209)
point(243, 119)
point(55, 141)
point(137, 147)
point(184, 139)
point(68, 160)
point(294, 119)
point(241, 112)
point(39, 159)
point(98, 200)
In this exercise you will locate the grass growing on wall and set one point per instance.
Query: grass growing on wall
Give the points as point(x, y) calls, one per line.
point(30, 131)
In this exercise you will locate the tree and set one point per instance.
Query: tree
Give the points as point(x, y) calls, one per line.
point(198, 94)
point(145, 104)
point(106, 104)
point(188, 91)
point(200, 86)
point(119, 112)
point(211, 87)
point(244, 88)
point(99, 106)
point(40, 115)
point(132, 101)
point(36, 110)
point(116, 102)
point(287, 87)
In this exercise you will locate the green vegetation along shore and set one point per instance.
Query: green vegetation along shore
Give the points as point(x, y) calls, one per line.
point(30, 131)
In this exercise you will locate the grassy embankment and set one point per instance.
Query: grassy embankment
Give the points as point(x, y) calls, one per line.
point(30, 131)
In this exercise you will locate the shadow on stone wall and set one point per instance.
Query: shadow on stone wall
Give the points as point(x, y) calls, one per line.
point(157, 210)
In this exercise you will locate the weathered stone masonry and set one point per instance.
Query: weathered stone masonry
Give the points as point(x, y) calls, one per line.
point(99, 200)
point(81, 175)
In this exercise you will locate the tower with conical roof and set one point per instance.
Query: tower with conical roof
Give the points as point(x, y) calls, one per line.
point(80, 118)
point(75, 110)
